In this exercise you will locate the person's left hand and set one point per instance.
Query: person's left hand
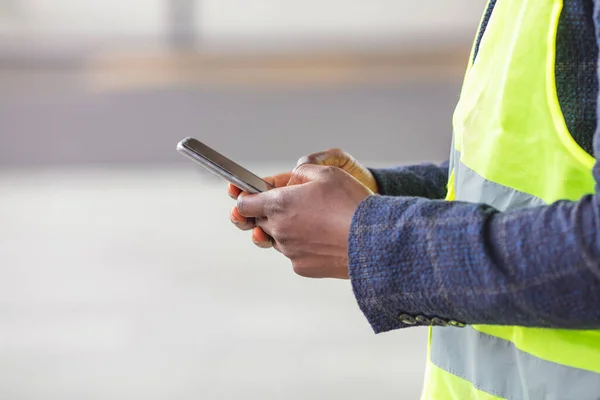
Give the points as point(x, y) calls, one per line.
point(309, 220)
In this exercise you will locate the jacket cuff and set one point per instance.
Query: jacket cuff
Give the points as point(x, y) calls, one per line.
point(362, 251)
point(397, 263)
point(422, 180)
point(389, 181)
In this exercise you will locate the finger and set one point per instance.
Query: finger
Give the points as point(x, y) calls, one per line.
point(279, 180)
point(240, 221)
point(308, 173)
point(261, 239)
point(253, 205)
point(233, 191)
point(333, 157)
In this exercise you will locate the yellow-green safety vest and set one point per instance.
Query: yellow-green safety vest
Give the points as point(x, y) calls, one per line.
point(512, 149)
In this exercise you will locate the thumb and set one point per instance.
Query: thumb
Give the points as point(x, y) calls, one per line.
point(333, 157)
point(309, 173)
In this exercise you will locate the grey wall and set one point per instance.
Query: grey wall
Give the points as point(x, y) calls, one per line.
point(64, 126)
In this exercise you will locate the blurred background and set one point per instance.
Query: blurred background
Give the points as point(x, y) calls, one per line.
point(120, 275)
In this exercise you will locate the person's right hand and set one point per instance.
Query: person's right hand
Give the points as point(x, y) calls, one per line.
point(259, 237)
point(332, 157)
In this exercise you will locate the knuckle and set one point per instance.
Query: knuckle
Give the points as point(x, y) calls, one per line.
point(304, 168)
point(309, 159)
point(280, 202)
point(329, 170)
point(305, 159)
point(321, 158)
point(332, 156)
point(336, 151)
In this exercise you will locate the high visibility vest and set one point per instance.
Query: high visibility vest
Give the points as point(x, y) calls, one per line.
point(512, 149)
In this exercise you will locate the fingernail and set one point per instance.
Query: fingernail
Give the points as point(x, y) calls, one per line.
point(259, 244)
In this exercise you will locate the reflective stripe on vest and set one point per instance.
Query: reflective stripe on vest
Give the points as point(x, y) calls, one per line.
point(491, 193)
point(490, 362)
point(482, 358)
point(512, 150)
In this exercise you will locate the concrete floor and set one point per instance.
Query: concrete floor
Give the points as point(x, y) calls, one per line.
point(123, 283)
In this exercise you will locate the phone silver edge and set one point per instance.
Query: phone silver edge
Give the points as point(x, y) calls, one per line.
point(215, 169)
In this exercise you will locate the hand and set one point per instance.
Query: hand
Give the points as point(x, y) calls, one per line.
point(309, 219)
point(259, 237)
point(332, 157)
point(341, 159)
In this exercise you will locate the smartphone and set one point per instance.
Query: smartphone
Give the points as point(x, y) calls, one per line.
point(222, 166)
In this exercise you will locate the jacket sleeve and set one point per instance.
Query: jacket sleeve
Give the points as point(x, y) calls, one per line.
point(458, 261)
point(422, 180)
point(537, 267)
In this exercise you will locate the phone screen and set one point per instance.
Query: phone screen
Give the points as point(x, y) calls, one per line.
point(220, 161)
